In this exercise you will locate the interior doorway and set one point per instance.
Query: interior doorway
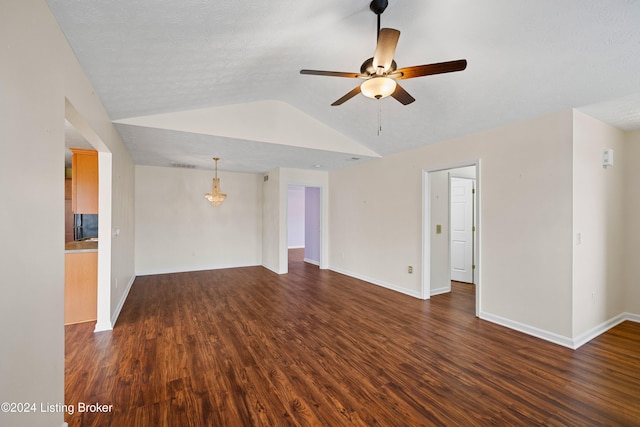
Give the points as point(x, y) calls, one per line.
point(76, 120)
point(451, 229)
point(303, 224)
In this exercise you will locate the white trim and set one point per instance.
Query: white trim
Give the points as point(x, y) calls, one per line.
point(603, 327)
point(296, 247)
point(405, 291)
point(272, 269)
point(572, 343)
point(632, 317)
point(529, 330)
point(311, 261)
point(116, 312)
point(188, 270)
point(425, 285)
point(440, 291)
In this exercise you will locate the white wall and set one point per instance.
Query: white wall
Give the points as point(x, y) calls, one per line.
point(271, 221)
point(440, 275)
point(598, 217)
point(525, 219)
point(631, 164)
point(312, 224)
point(38, 72)
point(295, 216)
point(177, 229)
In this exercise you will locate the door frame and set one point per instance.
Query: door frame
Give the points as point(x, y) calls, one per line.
point(284, 251)
point(425, 291)
point(104, 320)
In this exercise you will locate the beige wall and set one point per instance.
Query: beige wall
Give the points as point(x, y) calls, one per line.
point(440, 270)
point(271, 222)
point(177, 229)
point(525, 225)
point(38, 72)
point(631, 162)
point(598, 217)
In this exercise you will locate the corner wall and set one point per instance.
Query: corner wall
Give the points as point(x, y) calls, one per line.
point(631, 162)
point(599, 226)
point(526, 220)
point(177, 229)
point(38, 72)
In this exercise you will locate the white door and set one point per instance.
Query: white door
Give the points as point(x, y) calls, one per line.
point(461, 229)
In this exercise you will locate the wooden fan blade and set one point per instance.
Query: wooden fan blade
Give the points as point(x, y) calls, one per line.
point(348, 96)
point(386, 48)
point(331, 73)
point(402, 95)
point(430, 69)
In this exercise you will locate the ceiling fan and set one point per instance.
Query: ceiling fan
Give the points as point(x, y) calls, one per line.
point(381, 72)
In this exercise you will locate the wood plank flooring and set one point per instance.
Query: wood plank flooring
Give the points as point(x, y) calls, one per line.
point(246, 347)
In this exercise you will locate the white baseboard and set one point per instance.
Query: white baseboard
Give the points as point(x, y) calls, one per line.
point(271, 269)
point(632, 317)
point(116, 313)
point(190, 269)
point(410, 292)
point(603, 327)
point(572, 343)
point(439, 291)
point(311, 261)
point(101, 327)
point(529, 330)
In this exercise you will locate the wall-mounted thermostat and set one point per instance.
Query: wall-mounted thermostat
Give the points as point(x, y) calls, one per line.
point(607, 157)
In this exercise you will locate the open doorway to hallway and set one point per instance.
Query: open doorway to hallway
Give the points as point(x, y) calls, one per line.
point(451, 231)
point(303, 224)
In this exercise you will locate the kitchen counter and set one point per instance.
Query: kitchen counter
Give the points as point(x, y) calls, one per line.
point(83, 246)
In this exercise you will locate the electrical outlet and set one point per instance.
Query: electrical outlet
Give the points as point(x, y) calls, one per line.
point(410, 269)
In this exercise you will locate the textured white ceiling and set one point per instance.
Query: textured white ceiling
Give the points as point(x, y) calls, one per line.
point(526, 58)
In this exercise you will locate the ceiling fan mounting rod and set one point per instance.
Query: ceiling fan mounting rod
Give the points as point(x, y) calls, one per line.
point(377, 7)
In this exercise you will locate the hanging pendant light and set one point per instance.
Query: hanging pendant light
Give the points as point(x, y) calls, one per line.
point(216, 197)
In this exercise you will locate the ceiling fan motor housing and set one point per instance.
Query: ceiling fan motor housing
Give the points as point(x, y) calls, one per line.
point(378, 6)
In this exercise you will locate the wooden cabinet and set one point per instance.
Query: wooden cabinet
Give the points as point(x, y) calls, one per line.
point(84, 181)
point(80, 287)
point(68, 212)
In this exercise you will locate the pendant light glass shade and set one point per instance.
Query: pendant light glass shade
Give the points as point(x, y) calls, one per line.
point(378, 87)
point(216, 197)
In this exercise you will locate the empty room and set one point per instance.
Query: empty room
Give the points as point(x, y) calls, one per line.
point(320, 213)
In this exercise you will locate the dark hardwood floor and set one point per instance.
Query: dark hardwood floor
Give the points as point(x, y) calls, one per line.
point(244, 347)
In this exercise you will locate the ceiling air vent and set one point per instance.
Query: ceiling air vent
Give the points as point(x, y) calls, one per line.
point(182, 166)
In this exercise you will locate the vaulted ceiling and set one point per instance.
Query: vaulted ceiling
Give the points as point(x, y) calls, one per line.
point(187, 80)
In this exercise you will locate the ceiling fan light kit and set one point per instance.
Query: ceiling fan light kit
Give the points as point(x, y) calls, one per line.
point(380, 72)
point(378, 87)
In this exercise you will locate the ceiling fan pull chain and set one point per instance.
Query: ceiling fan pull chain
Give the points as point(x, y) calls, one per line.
point(379, 117)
